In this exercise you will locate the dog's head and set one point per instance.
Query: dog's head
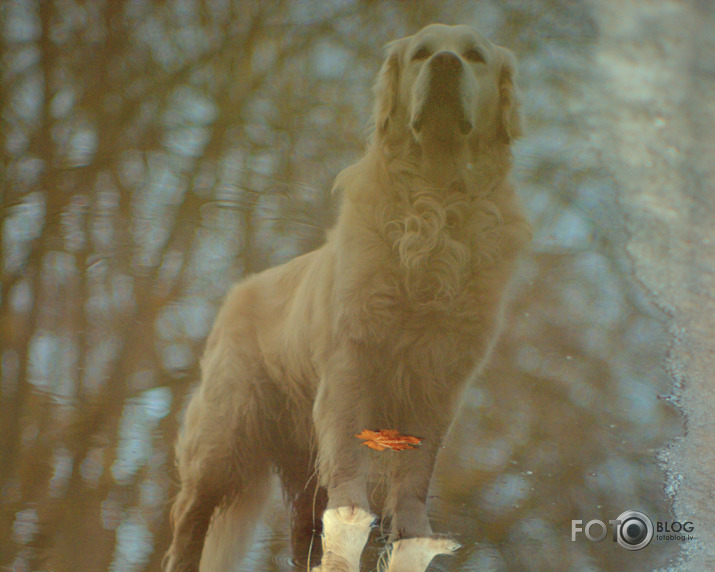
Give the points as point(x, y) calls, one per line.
point(447, 84)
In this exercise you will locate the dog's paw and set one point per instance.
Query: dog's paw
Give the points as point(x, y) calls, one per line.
point(415, 554)
point(345, 532)
point(332, 562)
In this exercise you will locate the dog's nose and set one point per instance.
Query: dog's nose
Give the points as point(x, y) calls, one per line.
point(446, 62)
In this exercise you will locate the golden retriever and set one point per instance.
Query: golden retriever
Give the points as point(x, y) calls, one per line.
point(380, 328)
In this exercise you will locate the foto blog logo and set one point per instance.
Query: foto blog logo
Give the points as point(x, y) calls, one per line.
point(632, 530)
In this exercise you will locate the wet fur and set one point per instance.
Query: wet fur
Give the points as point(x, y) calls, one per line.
point(380, 328)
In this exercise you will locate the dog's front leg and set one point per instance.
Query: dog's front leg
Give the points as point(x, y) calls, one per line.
point(413, 543)
point(339, 413)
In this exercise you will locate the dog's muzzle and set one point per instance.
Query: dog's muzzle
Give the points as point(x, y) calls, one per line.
point(443, 99)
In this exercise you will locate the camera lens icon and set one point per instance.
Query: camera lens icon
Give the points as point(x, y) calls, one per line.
point(635, 530)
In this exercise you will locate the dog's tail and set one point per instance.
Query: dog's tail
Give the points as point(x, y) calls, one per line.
point(233, 527)
point(224, 465)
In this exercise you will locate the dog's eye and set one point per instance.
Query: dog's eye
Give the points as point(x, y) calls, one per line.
point(421, 54)
point(474, 55)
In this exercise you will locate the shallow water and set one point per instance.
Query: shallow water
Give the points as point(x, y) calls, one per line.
point(509, 495)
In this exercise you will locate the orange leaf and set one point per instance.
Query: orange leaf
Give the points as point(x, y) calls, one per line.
point(388, 439)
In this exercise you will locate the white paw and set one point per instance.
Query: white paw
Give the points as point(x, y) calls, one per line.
point(345, 532)
point(415, 554)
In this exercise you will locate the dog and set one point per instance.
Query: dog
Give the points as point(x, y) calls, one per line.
point(382, 327)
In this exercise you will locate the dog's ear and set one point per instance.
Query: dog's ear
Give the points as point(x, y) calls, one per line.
point(387, 88)
point(510, 122)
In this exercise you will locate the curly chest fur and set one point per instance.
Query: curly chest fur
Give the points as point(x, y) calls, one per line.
point(442, 274)
point(442, 244)
point(424, 258)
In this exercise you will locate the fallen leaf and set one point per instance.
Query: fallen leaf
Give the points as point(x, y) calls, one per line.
point(388, 439)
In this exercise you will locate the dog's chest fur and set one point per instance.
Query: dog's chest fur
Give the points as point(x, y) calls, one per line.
point(436, 276)
point(440, 242)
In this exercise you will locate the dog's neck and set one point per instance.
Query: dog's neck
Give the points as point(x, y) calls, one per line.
point(405, 167)
point(442, 162)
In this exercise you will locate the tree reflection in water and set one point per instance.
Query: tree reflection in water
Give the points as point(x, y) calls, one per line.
point(153, 153)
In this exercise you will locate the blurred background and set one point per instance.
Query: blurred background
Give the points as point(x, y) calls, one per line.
point(154, 152)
